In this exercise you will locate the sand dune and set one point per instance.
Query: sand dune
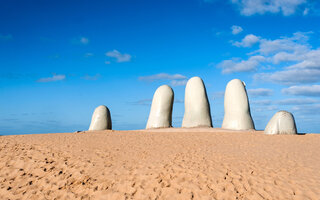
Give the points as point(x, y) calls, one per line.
point(160, 164)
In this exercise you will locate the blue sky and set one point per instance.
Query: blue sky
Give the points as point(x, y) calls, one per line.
point(61, 59)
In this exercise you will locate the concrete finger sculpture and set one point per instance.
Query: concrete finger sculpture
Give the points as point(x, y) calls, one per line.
point(101, 119)
point(281, 123)
point(161, 108)
point(237, 114)
point(196, 105)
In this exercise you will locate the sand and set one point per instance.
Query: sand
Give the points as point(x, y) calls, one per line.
point(160, 164)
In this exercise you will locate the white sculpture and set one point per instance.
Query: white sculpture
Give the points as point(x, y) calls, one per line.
point(161, 108)
point(281, 123)
point(101, 119)
point(237, 114)
point(197, 108)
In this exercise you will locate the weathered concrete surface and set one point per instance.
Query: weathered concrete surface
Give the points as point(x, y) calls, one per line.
point(101, 119)
point(197, 108)
point(281, 123)
point(237, 114)
point(161, 108)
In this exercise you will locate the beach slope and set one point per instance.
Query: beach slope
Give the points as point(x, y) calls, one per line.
point(160, 164)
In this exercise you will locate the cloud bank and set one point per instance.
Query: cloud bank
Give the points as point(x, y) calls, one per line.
point(285, 7)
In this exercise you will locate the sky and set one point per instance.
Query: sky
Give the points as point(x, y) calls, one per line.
point(59, 60)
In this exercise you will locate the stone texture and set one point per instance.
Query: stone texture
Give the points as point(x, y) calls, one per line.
point(161, 108)
point(101, 119)
point(237, 114)
point(281, 123)
point(197, 108)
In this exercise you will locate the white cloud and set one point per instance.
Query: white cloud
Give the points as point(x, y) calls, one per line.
point(261, 102)
point(307, 109)
point(251, 7)
point(290, 77)
point(306, 61)
point(247, 41)
point(236, 29)
point(297, 43)
point(283, 57)
point(55, 77)
point(119, 56)
point(175, 79)
point(307, 90)
point(178, 82)
point(260, 92)
point(306, 68)
point(232, 66)
point(296, 61)
point(162, 76)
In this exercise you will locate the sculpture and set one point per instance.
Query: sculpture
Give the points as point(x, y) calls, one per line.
point(237, 114)
point(281, 123)
point(101, 119)
point(161, 108)
point(197, 108)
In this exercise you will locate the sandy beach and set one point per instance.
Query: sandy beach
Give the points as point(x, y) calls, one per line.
point(160, 164)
